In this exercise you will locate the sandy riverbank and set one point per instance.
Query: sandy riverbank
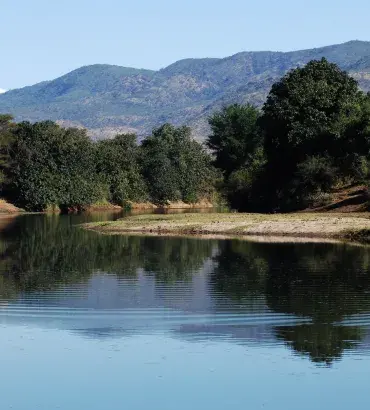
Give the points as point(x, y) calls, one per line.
point(300, 225)
point(7, 208)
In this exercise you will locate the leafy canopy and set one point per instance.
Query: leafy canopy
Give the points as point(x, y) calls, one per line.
point(235, 136)
point(118, 167)
point(175, 166)
point(51, 166)
point(308, 113)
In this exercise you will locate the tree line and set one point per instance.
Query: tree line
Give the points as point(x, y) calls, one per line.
point(312, 135)
point(44, 165)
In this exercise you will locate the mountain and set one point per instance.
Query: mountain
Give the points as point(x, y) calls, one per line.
point(111, 99)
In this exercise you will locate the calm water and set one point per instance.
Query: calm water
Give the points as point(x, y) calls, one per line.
point(117, 322)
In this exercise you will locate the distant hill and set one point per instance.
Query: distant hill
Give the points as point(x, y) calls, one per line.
point(110, 99)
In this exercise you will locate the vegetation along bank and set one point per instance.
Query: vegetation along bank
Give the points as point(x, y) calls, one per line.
point(310, 140)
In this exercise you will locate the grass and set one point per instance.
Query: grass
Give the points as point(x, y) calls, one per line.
point(352, 226)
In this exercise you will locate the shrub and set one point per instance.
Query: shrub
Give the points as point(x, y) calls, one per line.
point(316, 173)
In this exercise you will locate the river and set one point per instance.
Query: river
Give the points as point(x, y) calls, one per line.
point(90, 321)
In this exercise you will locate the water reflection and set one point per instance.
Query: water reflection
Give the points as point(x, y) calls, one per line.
point(43, 252)
point(305, 296)
point(323, 343)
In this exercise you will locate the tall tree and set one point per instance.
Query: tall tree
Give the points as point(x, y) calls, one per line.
point(235, 136)
point(175, 166)
point(307, 113)
point(52, 166)
point(118, 167)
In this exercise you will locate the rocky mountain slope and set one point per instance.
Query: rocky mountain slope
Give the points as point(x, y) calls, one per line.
point(111, 99)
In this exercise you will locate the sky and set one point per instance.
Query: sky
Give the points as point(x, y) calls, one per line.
point(43, 39)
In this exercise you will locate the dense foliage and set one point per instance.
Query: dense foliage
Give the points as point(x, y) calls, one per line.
point(117, 166)
point(309, 112)
point(46, 166)
point(51, 165)
point(313, 134)
point(175, 166)
point(6, 124)
point(235, 136)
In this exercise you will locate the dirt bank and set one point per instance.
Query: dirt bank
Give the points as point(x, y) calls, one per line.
point(8, 209)
point(308, 225)
point(204, 204)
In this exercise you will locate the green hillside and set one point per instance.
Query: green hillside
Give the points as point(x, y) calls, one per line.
point(109, 99)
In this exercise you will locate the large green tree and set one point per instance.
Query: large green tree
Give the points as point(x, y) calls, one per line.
point(118, 167)
point(175, 166)
point(52, 166)
point(316, 127)
point(235, 136)
point(309, 112)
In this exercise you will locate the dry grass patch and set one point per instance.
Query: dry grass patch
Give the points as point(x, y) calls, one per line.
point(296, 225)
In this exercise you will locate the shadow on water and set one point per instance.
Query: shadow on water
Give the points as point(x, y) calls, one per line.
point(312, 297)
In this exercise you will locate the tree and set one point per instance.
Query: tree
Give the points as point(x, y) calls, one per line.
point(243, 187)
point(75, 158)
point(6, 125)
point(175, 166)
point(235, 136)
point(353, 153)
point(52, 166)
point(118, 166)
point(308, 113)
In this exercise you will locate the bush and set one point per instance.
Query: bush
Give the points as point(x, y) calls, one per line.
point(310, 185)
point(316, 199)
point(316, 173)
point(360, 169)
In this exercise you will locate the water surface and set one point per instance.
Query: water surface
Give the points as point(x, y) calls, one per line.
point(89, 321)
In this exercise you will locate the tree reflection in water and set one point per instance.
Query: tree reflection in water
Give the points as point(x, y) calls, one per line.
point(325, 283)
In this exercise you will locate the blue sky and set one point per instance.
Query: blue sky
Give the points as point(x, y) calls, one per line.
point(43, 39)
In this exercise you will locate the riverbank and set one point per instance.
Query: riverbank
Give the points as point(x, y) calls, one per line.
point(300, 225)
point(7, 208)
point(101, 206)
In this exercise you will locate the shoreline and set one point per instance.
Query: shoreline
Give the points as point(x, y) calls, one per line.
point(296, 226)
point(261, 238)
point(7, 208)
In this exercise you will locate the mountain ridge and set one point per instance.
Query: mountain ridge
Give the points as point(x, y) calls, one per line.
point(109, 99)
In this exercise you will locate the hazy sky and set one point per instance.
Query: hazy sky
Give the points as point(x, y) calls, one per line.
point(43, 39)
